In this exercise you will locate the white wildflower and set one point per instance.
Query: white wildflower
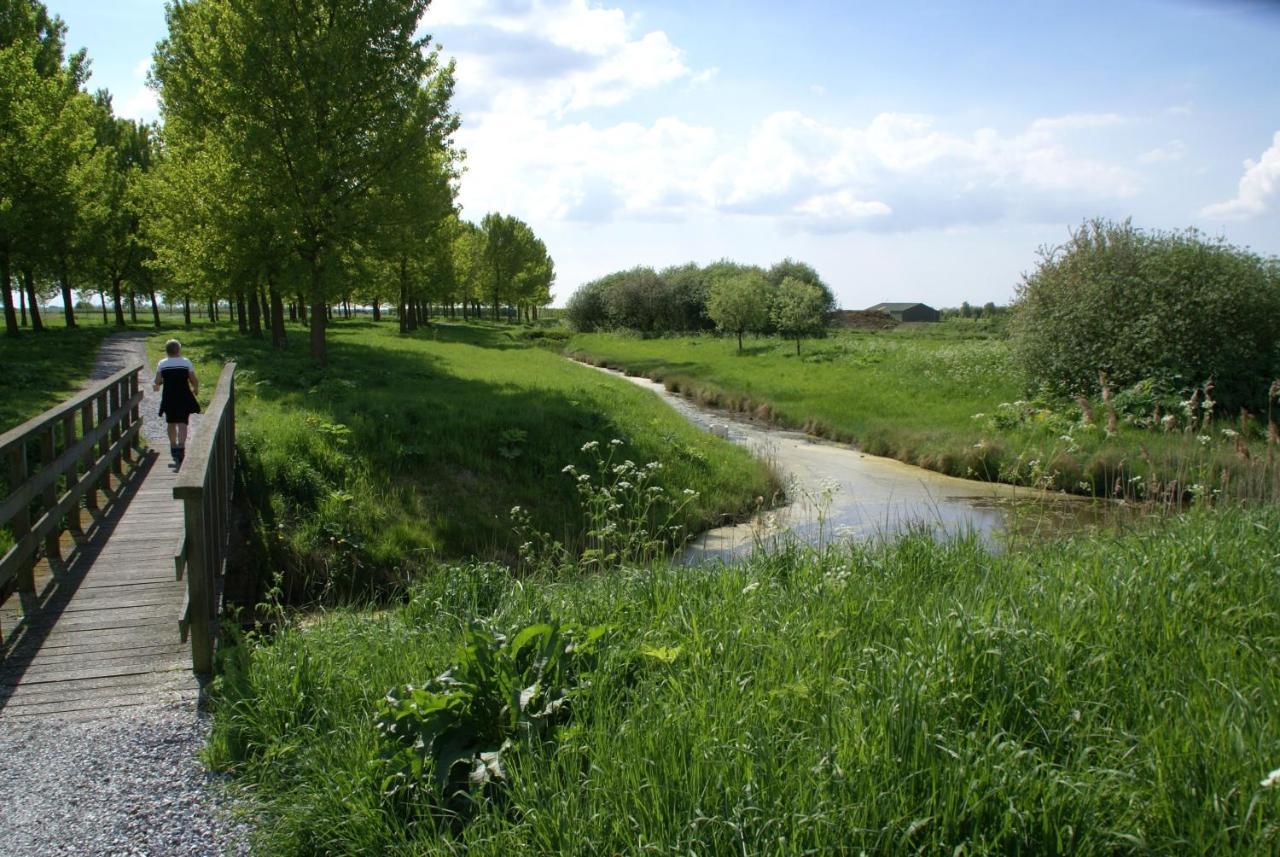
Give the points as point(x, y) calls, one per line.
point(689, 492)
point(752, 587)
point(590, 445)
point(1271, 780)
point(569, 468)
point(1204, 439)
point(1229, 433)
point(615, 442)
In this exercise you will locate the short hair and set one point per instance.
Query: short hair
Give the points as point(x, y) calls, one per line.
point(172, 347)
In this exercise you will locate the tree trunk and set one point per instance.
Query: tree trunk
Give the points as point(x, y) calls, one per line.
point(277, 315)
point(10, 317)
point(797, 346)
point(133, 306)
point(68, 306)
point(22, 302)
point(260, 295)
point(302, 309)
point(739, 341)
point(186, 310)
point(241, 321)
point(255, 314)
point(155, 309)
point(293, 311)
point(103, 296)
point(211, 311)
point(377, 310)
point(319, 311)
point(117, 302)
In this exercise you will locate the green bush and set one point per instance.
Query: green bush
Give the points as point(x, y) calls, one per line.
point(1175, 307)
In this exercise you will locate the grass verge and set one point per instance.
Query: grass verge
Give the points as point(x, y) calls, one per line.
point(947, 397)
point(406, 448)
point(1109, 694)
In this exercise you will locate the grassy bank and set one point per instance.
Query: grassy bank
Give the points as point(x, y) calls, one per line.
point(42, 369)
point(408, 448)
point(1113, 694)
point(948, 397)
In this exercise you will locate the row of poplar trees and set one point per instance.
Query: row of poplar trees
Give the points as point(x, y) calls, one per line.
point(305, 157)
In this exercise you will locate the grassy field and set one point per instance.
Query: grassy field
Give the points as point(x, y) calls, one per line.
point(42, 369)
point(948, 397)
point(408, 448)
point(1113, 694)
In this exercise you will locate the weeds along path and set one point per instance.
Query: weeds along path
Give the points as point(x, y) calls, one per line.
point(837, 492)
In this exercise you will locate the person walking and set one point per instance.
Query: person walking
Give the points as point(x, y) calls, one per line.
point(178, 401)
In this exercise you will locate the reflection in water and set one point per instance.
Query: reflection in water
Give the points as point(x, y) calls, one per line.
point(838, 493)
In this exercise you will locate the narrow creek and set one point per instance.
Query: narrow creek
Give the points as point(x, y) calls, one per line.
point(836, 492)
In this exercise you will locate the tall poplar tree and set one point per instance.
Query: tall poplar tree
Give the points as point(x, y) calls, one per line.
point(323, 106)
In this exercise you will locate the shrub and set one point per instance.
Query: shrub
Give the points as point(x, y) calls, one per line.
point(1174, 307)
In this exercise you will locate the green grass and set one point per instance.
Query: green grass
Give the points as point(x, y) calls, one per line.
point(946, 397)
point(1113, 694)
point(43, 369)
point(407, 448)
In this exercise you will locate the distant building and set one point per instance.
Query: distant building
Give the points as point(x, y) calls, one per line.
point(907, 312)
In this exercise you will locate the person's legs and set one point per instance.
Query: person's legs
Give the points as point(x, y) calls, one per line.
point(173, 440)
point(182, 441)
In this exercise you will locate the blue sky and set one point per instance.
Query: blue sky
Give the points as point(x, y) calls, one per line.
point(909, 151)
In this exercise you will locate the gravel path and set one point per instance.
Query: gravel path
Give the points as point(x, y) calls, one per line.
point(128, 783)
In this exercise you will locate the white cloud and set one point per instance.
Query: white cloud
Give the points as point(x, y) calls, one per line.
point(1174, 150)
point(551, 57)
point(531, 71)
point(1259, 189)
point(141, 102)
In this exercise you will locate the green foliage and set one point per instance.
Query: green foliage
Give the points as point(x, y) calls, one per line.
point(799, 309)
point(41, 371)
point(1176, 307)
point(456, 734)
point(739, 303)
point(356, 114)
point(679, 298)
point(1112, 693)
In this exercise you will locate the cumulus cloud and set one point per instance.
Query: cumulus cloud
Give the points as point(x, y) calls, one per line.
point(1259, 189)
point(531, 72)
point(550, 57)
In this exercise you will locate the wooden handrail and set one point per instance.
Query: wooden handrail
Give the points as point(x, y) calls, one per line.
point(71, 466)
point(205, 485)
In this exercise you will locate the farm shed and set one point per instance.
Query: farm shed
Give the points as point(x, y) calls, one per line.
point(907, 312)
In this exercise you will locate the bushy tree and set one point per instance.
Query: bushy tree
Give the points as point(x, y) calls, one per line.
point(805, 273)
point(739, 303)
point(799, 310)
point(1175, 307)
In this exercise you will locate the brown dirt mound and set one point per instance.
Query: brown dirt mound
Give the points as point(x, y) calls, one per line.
point(861, 319)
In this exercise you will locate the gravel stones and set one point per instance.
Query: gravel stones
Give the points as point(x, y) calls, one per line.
point(129, 784)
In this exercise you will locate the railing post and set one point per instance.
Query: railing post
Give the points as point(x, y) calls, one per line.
point(48, 452)
point(199, 593)
point(21, 523)
point(72, 473)
point(86, 426)
point(113, 406)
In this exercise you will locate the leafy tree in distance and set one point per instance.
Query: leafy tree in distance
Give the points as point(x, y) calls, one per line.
point(799, 309)
point(1174, 307)
point(739, 303)
point(805, 273)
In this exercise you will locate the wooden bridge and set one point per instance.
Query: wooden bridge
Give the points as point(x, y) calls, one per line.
point(113, 562)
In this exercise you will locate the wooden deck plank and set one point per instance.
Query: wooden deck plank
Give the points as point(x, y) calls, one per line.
point(103, 629)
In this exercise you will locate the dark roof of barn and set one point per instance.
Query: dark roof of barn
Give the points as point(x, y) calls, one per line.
point(892, 307)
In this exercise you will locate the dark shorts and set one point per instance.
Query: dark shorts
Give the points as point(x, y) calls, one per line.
point(177, 419)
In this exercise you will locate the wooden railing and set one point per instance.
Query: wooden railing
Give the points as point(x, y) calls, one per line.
point(204, 486)
point(53, 466)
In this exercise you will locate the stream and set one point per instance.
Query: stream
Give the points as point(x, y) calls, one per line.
point(836, 492)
